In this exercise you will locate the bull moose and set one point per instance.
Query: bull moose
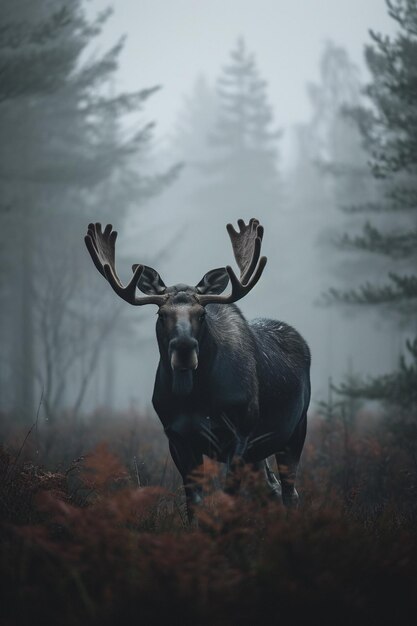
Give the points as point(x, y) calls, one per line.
point(225, 387)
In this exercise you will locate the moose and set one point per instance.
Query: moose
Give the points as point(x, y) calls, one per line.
point(232, 390)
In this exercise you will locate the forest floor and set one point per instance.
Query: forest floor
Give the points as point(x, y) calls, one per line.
point(94, 531)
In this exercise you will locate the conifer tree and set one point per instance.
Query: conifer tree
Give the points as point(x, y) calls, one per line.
point(389, 129)
point(61, 143)
point(194, 124)
point(244, 141)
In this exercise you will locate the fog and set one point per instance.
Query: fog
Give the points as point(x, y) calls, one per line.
point(171, 43)
point(171, 196)
point(170, 120)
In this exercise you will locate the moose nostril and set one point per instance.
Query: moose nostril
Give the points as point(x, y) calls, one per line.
point(183, 344)
point(183, 353)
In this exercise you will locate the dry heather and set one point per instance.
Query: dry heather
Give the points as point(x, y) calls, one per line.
point(104, 540)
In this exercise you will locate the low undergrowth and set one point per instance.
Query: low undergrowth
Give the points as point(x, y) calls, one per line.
point(96, 543)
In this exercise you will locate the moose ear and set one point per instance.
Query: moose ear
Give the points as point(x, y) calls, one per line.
point(214, 281)
point(150, 281)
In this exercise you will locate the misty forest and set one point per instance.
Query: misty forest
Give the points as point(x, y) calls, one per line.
point(96, 526)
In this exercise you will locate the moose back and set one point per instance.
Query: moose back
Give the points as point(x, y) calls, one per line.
point(234, 390)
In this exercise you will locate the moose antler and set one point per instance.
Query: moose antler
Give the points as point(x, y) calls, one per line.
point(246, 246)
point(101, 246)
point(247, 249)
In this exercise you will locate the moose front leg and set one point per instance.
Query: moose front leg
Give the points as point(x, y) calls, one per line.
point(241, 421)
point(187, 458)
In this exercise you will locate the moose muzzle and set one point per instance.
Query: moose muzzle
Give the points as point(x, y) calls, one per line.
point(183, 353)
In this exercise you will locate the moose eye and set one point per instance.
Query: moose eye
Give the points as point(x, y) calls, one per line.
point(202, 317)
point(161, 317)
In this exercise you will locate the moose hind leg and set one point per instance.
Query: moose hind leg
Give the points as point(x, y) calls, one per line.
point(273, 483)
point(287, 462)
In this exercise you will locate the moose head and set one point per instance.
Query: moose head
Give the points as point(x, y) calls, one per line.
point(181, 313)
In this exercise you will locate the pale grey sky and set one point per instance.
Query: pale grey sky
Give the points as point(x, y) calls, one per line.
point(169, 42)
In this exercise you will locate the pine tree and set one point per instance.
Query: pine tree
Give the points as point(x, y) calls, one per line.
point(229, 148)
point(338, 145)
point(61, 144)
point(389, 128)
point(329, 170)
point(194, 124)
point(244, 141)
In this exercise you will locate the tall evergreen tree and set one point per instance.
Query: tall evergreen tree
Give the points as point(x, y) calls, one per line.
point(244, 141)
point(230, 150)
point(61, 144)
point(194, 124)
point(329, 168)
point(339, 151)
point(389, 128)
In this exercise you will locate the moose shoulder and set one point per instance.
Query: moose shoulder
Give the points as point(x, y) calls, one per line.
point(225, 387)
